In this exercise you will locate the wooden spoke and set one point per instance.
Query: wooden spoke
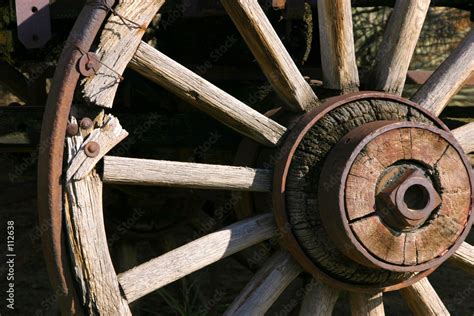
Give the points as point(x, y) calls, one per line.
point(270, 53)
point(337, 43)
point(366, 304)
point(446, 81)
point(192, 88)
point(266, 286)
point(85, 234)
point(319, 299)
point(120, 170)
point(195, 255)
point(465, 136)
point(423, 300)
point(395, 53)
point(118, 42)
point(464, 258)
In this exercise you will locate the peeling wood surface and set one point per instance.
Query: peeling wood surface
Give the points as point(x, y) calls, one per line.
point(274, 59)
point(195, 255)
point(187, 175)
point(449, 78)
point(398, 46)
point(108, 136)
point(266, 286)
point(423, 300)
point(164, 71)
point(119, 40)
point(337, 45)
point(95, 273)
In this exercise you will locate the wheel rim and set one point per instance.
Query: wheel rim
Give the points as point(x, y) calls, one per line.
point(272, 136)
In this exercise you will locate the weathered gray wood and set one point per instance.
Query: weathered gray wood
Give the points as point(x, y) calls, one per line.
point(400, 38)
point(465, 136)
point(195, 255)
point(266, 286)
point(108, 136)
point(366, 304)
point(423, 300)
point(88, 243)
point(120, 170)
point(464, 258)
point(192, 88)
point(337, 45)
point(274, 59)
point(118, 42)
point(450, 76)
point(319, 300)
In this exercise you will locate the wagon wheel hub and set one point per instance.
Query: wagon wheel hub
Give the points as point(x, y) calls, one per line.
point(372, 190)
point(408, 194)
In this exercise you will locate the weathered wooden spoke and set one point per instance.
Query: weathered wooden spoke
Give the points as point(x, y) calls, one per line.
point(465, 136)
point(195, 255)
point(423, 300)
point(93, 266)
point(366, 304)
point(120, 170)
point(464, 258)
point(266, 286)
point(446, 81)
point(337, 43)
point(270, 53)
point(395, 53)
point(319, 299)
point(192, 88)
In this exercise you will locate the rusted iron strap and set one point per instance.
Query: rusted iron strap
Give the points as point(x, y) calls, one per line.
point(51, 154)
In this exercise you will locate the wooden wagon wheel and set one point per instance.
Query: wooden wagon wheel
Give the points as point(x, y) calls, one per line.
point(370, 192)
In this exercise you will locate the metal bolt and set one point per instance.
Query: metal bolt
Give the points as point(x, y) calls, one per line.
point(86, 123)
point(92, 149)
point(72, 129)
point(409, 200)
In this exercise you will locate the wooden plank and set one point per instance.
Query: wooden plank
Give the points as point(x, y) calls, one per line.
point(398, 46)
point(107, 137)
point(195, 255)
point(366, 304)
point(266, 286)
point(88, 247)
point(337, 42)
point(271, 54)
point(423, 300)
point(132, 171)
point(207, 97)
point(464, 258)
point(449, 78)
point(118, 42)
point(465, 136)
point(319, 300)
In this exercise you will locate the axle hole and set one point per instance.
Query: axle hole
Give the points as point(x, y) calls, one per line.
point(416, 197)
point(34, 9)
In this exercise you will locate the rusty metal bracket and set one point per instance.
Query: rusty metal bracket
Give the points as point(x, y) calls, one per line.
point(88, 64)
point(33, 22)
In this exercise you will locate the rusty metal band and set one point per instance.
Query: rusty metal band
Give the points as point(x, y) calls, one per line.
point(50, 159)
point(282, 166)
